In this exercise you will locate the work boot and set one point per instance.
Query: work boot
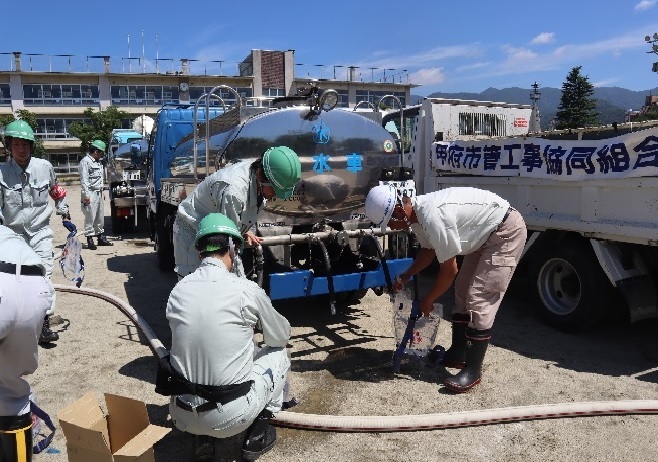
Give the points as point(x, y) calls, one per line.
point(261, 437)
point(476, 347)
point(203, 449)
point(16, 438)
point(102, 240)
point(455, 356)
point(47, 335)
point(90, 243)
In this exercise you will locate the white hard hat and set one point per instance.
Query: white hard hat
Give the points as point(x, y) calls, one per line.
point(380, 203)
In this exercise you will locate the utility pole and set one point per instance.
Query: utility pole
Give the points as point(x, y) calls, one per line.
point(535, 118)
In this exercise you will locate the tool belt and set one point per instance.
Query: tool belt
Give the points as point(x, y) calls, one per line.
point(170, 382)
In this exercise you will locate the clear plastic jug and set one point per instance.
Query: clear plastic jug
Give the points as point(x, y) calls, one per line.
point(425, 328)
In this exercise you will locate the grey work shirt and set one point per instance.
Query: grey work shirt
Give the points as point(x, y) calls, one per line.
point(20, 323)
point(212, 314)
point(24, 195)
point(91, 175)
point(457, 221)
point(230, 191)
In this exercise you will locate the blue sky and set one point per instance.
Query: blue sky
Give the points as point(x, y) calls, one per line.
point(444, 46)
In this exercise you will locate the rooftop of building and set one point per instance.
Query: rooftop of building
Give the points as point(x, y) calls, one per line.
point(17, 61)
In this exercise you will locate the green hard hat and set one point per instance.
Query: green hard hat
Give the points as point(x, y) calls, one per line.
point(98, 144)
point(282, 167)
point(19, 129)
point(217, 223)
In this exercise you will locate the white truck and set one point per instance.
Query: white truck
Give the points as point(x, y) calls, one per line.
point(589, 198)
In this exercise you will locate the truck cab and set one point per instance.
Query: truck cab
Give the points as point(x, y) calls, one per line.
point(172, 123)
point(125, 156)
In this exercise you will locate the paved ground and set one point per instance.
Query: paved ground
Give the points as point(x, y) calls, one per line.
point(342, 366)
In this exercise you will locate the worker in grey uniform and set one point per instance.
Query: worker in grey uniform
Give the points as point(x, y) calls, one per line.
point(25, 184)
point(212, 314)
point(237, 191)
point(482, 227)
point(25, 296)
point(92, 174)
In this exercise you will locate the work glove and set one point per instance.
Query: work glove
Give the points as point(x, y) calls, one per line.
point(68, 224)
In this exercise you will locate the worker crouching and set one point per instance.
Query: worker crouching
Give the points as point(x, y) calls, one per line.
point(219, 385)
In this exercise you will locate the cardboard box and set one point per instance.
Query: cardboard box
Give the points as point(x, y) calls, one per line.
point(123, 435)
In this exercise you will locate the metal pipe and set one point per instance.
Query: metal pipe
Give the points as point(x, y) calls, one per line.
point(238, 103)
point(260, 265)
point(367, 103)
point(387, 273)
point(330, 277)
point(304, 237)
point(205, 96)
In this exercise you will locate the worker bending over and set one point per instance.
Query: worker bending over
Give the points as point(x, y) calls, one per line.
point(458, 221)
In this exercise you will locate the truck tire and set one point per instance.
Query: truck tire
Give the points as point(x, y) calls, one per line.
point(571, 290)
point(164, 246)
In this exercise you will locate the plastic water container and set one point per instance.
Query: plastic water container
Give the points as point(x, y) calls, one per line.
point(425, 328)
point(36, 421)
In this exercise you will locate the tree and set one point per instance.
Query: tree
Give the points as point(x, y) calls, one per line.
point(98, 127)
point(576, 109)
point(23, 114)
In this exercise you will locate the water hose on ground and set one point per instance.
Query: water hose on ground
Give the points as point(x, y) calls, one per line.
point(402, 423)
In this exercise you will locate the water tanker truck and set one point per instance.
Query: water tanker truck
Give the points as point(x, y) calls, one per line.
point(318, 242)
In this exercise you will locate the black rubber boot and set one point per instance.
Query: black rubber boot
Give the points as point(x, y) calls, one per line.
point(102, 240)
point(476, 348)
point(203, 449)
point(261, 437)
point(90, 243)
point(47, 335)
point(15, 433)
point(455, 356)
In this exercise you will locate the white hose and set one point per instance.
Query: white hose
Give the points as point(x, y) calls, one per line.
point(403, 423)
point(406, 423)
point(156, 345)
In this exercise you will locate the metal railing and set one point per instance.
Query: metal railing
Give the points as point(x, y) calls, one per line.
point(37, 62)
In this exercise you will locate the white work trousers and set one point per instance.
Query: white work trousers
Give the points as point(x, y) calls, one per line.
point(94, 214)
point(269, 374)
point(42, 244)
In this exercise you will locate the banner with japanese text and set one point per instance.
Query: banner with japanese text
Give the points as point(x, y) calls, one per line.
point(631, 155)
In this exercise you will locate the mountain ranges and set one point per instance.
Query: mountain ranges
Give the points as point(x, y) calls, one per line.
point(612, 102)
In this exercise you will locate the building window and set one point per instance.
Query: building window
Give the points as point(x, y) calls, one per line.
point(142, 95)
point(55, 128)
point(227, 96)
point(60, 95)
point(375, 96)
point(343, 98)
point(170, 94)
point(5, 97)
